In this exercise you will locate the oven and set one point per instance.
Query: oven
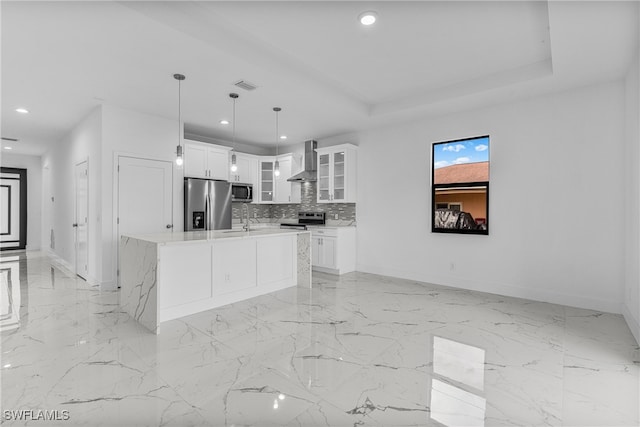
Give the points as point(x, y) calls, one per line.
point(306, 219)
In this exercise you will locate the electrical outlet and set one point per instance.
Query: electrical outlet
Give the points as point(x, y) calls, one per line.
point(283, 216)
point(335, 216)
point(255, 214)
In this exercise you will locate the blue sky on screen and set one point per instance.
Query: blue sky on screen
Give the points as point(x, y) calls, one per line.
point(458, 152)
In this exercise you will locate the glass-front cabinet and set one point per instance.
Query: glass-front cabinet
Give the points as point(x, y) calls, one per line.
point(266, 181)
point(337, 174)
point(276, 189)
point(324, 189)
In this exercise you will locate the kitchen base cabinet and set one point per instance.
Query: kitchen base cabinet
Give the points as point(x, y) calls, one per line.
point(333, 249)
point(275, 261)
point(170, 275)
point(323, 252)
point(233, 273)
point(191, 264)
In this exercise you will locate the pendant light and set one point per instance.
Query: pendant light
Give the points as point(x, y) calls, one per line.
point(234, 165)
point(179, 160)
point(276, 166)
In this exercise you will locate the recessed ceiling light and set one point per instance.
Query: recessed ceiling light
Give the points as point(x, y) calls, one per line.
point(224, 122)
point(368, 18)
point(8, 148)
point(283, 136)
point(22, 110)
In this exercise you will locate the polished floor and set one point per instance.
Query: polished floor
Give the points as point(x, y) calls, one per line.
point(356, 350)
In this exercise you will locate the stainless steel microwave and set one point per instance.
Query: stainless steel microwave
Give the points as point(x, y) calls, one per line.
point(241, 192)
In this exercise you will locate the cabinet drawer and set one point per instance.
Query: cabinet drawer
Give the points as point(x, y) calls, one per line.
point(329, 232)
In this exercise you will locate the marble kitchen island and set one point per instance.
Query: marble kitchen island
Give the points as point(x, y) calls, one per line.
point(169, 275)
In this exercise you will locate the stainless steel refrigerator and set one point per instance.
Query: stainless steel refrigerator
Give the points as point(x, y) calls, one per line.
point(207, 204)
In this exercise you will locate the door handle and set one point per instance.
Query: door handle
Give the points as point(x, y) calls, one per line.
point(75, 224)
point(169, 225)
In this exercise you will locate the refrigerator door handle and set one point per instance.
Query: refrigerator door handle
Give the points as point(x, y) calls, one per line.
point(207, 209)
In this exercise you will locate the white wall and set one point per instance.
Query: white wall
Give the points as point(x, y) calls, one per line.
point(103, 135)
point(132, 133)
point(58, 191)
point(34, 194)
point(631, 306)
point(557, 189)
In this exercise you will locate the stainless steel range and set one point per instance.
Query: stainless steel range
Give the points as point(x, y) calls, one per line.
point(305, 219)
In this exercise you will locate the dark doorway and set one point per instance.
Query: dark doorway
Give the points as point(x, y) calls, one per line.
point(13, 208)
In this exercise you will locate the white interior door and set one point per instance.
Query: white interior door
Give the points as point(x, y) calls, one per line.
point(145, 196)
point(82, 218)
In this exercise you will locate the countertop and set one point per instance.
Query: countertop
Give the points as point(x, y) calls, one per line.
point(203, 236)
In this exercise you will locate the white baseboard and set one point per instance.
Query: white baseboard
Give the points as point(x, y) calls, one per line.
point(68, 269)
point(632, 322)
point(61, 263)
point(109, 285)
point(578, 301)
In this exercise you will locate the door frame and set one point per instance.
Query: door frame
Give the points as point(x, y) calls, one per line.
point(115, 249)
point(22, 177)
point(75, 213)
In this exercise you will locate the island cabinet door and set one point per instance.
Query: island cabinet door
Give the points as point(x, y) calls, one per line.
point(184, 274)
point(276, 266)
point(234, 266)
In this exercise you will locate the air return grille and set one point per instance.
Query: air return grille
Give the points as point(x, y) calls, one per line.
point(243, 84)
point(4, 138)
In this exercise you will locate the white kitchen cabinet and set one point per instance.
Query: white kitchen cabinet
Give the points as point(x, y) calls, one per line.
point(163, 278)
point(276, 261)
point(185, 264)
point(277, 189)
point(287, 192)
point(323, 250)
point(203, 160)
point(233, 273)
point(247, 169)
point(333, 249)
point(266, 183)
point(337, 174)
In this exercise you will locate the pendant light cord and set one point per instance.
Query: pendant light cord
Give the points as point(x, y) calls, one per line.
point(179, 110)
point(277, 142)
point(234, 124)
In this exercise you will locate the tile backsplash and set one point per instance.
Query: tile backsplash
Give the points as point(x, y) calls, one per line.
point(344, 211)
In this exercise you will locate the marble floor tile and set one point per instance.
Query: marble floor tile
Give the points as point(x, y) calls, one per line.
point(354, 350)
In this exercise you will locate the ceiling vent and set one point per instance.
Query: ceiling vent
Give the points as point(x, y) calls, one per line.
point(243, 84)
point(9, 139)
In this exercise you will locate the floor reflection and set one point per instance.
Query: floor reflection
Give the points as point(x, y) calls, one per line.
point(457, 384)
point(10, 292)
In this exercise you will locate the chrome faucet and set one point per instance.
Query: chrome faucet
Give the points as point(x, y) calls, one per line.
point(245, 206)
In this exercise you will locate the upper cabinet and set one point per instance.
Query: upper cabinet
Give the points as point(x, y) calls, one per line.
point(267, 189)
point(287, 192)
point(276, 189)
point(337, 174)
point(247, 169)
point(203, 160)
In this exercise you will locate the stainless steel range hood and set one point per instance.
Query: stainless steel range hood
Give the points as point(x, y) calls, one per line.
point(310, 164)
